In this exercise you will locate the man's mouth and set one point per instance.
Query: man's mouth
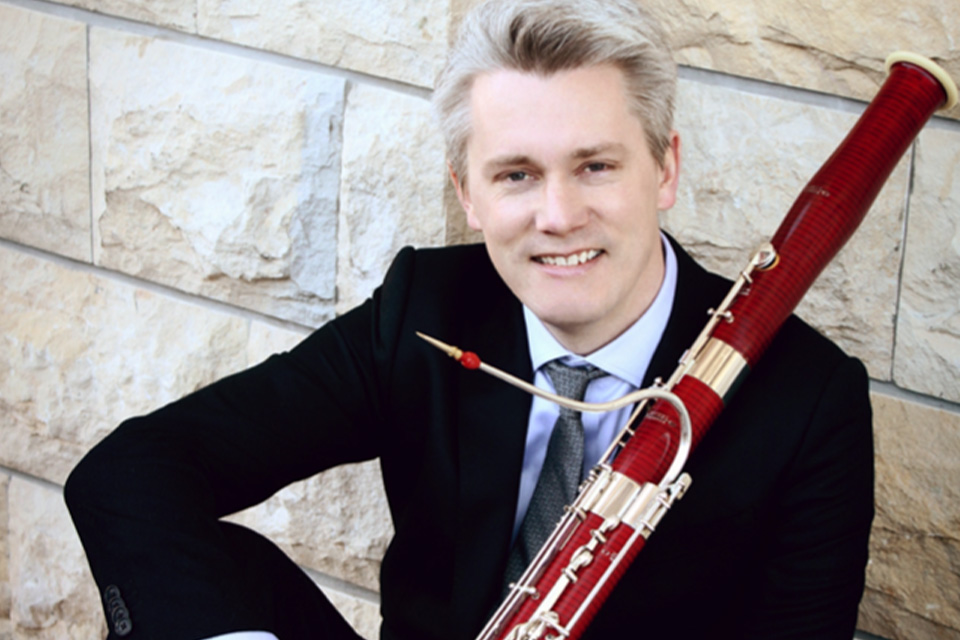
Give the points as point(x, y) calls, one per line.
point(571, 260)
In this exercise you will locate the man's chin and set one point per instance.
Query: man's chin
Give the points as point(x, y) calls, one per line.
point(570, 322)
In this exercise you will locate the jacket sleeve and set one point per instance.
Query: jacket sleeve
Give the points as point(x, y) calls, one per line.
point(812, 575)
point(146, 501)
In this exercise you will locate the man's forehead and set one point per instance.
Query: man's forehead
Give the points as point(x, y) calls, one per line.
point(500, 97)
point(495, 80)
point(516, 117)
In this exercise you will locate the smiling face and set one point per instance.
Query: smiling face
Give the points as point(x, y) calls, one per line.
point(562, 184)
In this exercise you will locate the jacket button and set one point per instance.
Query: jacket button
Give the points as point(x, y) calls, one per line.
point(117, 611)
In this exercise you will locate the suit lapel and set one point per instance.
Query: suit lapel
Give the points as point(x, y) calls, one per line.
point(492, 425)
point(697, 291)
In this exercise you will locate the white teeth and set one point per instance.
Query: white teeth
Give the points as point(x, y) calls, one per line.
point(571, 260)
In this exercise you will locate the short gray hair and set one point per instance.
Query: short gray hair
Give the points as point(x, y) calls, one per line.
point(546, 36)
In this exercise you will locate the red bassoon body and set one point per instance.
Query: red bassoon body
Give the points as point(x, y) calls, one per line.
point(622, 501)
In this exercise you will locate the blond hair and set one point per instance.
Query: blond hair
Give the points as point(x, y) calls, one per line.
point(546, 36)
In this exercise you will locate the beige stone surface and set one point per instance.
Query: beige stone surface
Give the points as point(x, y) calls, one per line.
point(5, 595)
point(80, 353)
point(336, 523)
point(914, 573)
point(176, 14)
point(832, 46)
point(927, 357)
point(393, 187)
point(363, 615)
point(54, 595)
point(395, 39)
point(44, 152)
point(745, 159)
point(216, 175)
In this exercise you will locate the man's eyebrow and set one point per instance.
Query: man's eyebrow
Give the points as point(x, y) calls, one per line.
point(605, 147)
point(501, 162)
point(512, 160)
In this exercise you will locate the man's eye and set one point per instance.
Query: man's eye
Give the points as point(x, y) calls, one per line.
point(594, 167)
point(516, 176)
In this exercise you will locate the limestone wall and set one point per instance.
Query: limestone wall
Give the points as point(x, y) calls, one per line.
point(187, 186)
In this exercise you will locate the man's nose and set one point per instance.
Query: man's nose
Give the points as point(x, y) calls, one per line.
point(562, 208)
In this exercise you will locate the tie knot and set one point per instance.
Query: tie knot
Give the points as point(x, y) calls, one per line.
point(571, 382)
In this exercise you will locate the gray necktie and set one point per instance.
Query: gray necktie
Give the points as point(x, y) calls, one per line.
point(562, 468)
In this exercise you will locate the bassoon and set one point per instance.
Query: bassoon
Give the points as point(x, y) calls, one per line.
point(637, 480)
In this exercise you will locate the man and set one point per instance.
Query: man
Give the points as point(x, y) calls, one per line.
point(557, 116)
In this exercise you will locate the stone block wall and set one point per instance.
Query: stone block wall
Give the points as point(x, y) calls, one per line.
point(187, 186)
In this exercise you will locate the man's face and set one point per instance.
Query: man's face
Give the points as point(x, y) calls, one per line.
point(562, 184)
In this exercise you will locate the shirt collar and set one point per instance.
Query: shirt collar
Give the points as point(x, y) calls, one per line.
point(628, 355)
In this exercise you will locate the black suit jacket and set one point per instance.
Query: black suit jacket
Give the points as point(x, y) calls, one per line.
point(771, 540)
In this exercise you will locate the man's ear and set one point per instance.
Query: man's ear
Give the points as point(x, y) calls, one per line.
point(463, 195)
point(669, 174)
